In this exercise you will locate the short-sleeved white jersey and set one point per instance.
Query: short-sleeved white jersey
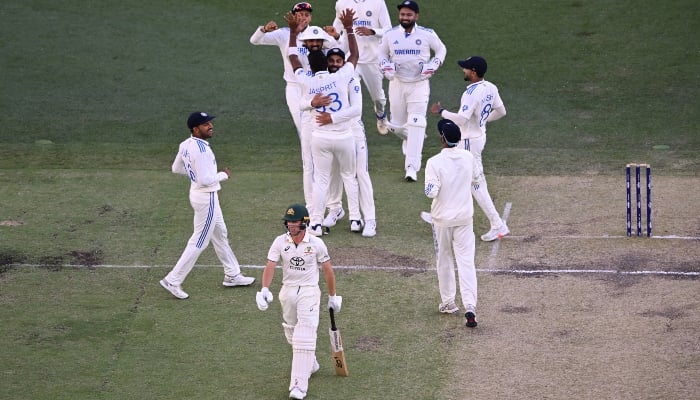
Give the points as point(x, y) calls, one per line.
point(448, 181)
point(371, 14)
point(300, 263)
point(337, 86)
point(476, 104)
point(196, 160)
point(408, 51)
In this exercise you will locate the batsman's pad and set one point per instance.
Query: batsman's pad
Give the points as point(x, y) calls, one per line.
point(288, 332)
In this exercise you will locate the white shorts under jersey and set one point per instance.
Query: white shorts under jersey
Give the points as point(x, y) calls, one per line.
point(475, 106)
point(410, 51)
point(300, 263)
point(371, 14)
point(196, 160)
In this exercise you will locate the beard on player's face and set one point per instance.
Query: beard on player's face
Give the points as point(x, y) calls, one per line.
point(406, 24)
point(334, 64)
point(313, 44)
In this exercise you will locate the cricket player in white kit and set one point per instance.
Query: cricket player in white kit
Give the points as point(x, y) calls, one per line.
point(448, 177)
point(372, 20)
point(330, 141)
point(405, 54)
point(479, 105)
point(271, 35)
point(302, 256)
point(196, 160)
point(336, 60)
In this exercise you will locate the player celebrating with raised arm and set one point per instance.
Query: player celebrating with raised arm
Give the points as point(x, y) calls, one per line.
point(479, 105)
point(302, 256)
point(196, 160)
point(405, 60)
point(330, 142)
point(448, 176)
point(270, 35)
point(372, 20)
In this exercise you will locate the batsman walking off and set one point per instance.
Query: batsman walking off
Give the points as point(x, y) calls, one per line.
point(448, 177)
point(302, 255)
point(196, 160)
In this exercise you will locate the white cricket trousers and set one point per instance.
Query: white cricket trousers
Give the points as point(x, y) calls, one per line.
point(480, 190)
point(373, 79)
point(327, 148)
point(456, 244)
point(300, 312)
point(408, 103)
point(209, 225)
point(293, 94)
point(364, 182)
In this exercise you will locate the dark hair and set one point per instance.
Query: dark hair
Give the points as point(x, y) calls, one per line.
point(317, 61)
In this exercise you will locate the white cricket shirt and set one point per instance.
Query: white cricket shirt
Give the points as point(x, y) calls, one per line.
point(300, 263)
point(196, 160)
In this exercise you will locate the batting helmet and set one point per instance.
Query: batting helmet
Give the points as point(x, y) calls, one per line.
point(296, 212)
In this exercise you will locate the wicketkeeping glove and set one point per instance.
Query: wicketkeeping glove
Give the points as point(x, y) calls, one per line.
point(263, 298)
point(388, 69)
point(429, 68)
point(335, 302)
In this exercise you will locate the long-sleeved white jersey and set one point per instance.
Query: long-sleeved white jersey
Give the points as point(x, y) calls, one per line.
point(280, 38)
point(409, 51)
point(371, 14)
point(448, 181)
point(336, 85)
point(196, 160)
point(479, 101)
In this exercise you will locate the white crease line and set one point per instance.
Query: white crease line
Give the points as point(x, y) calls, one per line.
point(404, 268)
point(497, 245)
point(586, 237)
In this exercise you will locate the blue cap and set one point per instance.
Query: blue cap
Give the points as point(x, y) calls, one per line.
point(198, 118)
point(450, 131)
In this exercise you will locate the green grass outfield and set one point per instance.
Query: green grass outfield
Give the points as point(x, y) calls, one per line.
point(94, 98)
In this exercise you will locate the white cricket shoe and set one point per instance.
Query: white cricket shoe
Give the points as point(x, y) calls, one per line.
point(382, 127)
point(370, 229)
point(296, 393)
point(238, 280)
point(175, 290)
point(448, 308)
point(333, 217)
point(355, 225)
point(315, 230)
point(411, 174)
point(495, 233)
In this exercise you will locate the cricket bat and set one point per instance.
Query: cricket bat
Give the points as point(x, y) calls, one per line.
point(341, 368)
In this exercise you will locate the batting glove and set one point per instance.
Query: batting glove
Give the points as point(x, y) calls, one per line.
point(388, 69)
point(335, 302)
point(263, 298)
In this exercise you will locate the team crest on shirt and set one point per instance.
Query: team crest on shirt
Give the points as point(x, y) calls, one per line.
point(368, 13)
point(308, 250)
point(418, 42)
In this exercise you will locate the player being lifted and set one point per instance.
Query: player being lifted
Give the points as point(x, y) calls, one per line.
point(405, 60)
